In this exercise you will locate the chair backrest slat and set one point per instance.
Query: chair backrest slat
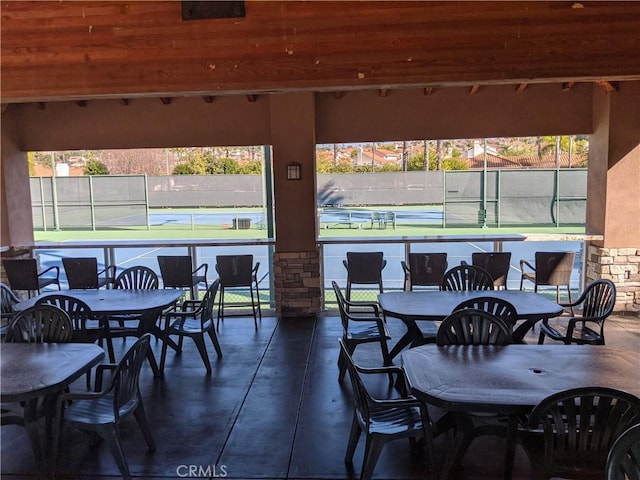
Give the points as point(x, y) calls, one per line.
point(580, 426)
point(7, 300)
point(467, 277)
point(77, 310)
point(124, 382)
point(598, 299)
point(137, 277)
point(502, 309)
point(623, 461)
point(40, 324)
point(473, 327)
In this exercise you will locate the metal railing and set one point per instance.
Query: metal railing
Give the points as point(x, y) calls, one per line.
point(124, 253)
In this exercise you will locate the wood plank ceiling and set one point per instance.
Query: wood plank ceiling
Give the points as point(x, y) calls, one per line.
point(81, 50)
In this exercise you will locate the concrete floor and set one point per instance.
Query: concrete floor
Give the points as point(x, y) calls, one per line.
point(271, 409)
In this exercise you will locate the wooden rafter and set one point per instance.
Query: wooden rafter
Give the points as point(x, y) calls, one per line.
point(608, 86)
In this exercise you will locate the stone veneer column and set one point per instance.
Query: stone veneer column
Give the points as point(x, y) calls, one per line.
point(297, 283)
point(620, 265)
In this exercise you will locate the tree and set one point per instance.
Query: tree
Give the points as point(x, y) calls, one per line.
point(253, 167)
point(222, 166)
point(94, 167)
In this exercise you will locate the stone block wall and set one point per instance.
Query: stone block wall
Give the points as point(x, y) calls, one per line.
point(297, 283)
point(620, 265)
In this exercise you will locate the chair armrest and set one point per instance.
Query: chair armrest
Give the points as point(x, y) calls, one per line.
point(204, 266)
point(110, 271)
point(191, 306)
point(405, 267)
point(375, 310)
point(177, 314)
point(355, 318)
point(384, 264)
point(400, 402)
point(401, 383)
point(574, 320)
point(55, 267)
point(528, 264)
point(344, 262)
point(100, 373)
point(64, 397)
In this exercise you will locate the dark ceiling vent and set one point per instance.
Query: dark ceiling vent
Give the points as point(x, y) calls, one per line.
point(203, 10)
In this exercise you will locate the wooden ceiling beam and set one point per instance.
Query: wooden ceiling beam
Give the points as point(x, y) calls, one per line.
point(608, 86)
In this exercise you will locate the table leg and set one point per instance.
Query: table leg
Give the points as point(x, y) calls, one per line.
point(400, 345)
point(154, 364)
point(30, 416)
point(107, 337)
point(521, 330)
point(413, 337)
point(512, 432)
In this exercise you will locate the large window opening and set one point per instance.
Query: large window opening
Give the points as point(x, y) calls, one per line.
point(388, 188)
point(214, 192)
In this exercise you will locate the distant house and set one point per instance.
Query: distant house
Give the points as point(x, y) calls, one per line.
point(529, 161)
point(377, 157)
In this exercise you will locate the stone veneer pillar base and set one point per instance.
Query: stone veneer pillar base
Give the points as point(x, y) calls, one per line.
point(297, 283)
point(622, 267)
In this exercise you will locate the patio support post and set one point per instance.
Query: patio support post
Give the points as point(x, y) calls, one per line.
point(296, 263)
point(613, 203)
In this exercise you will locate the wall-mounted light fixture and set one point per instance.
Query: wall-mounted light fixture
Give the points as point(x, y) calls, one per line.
point(294, 171)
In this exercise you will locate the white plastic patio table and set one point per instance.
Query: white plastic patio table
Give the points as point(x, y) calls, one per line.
point(31, 372)
point(103, 303)
point(437, 305)
point(513, 379)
